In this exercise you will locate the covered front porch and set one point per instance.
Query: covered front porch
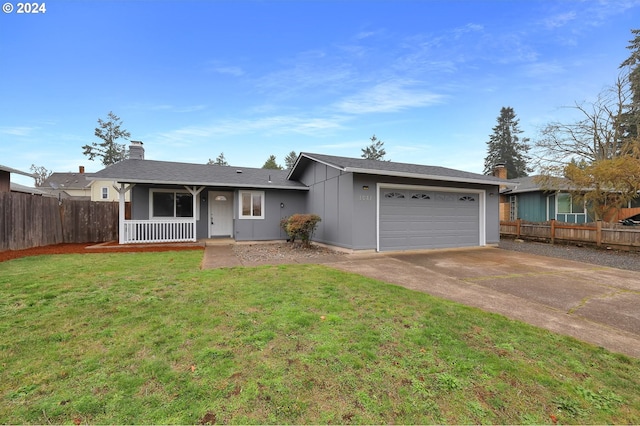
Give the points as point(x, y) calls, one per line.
point(160, 230)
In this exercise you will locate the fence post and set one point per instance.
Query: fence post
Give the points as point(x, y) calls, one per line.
point(518, 222)
point(599, 232)
point(553, 231)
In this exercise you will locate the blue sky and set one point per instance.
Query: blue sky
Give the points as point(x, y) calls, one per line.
point(192, 79)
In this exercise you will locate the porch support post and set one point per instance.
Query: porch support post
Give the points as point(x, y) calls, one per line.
point(195, 191)
point(121, 208)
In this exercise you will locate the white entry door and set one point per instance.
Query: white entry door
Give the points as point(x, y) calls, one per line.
point(220, 214)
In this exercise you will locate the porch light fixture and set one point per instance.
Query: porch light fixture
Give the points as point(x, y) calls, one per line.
point(220, 198)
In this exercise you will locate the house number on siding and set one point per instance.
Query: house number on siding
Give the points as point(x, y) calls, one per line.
point(365, 197)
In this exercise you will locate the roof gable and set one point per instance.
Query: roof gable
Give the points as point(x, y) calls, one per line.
point(389, 168)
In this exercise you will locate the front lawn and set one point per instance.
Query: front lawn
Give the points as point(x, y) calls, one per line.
point(150, 338)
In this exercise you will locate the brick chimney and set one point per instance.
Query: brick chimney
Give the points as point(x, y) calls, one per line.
point(500, 171)
point(81, 169)
point(136, 150)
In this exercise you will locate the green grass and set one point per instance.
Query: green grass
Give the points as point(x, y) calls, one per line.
point(150, 338)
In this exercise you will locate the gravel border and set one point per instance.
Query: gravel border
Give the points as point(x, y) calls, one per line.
point(264, 252)
point(597, 256)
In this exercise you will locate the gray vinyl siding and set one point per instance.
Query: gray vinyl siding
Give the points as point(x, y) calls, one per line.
point(330, 197)
point(140, 202)
point(269, 227)
point(244, 229)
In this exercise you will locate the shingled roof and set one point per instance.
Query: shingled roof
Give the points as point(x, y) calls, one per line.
point(531, 184)
point(389, 168)
point(173, 173)
point(64, 181)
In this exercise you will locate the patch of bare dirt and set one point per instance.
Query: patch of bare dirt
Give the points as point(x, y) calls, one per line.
point(281, 252)
point(93, 248)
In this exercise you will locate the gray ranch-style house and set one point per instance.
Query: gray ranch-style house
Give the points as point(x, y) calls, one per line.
point(363, 204)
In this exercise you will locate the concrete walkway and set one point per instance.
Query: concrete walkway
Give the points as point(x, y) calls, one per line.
point(218, 253)
point(589, 302)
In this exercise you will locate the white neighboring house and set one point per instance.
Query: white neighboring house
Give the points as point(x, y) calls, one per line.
point(103, 190)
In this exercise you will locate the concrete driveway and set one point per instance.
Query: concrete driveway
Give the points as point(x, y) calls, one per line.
point(595, 304)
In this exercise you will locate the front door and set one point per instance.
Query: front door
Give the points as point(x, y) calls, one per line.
point(220, 214)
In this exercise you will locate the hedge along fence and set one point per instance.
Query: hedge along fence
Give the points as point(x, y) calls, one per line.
point(31, 221)
point(598, 233)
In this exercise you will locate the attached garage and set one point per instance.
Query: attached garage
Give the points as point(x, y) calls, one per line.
point(414, 217)
point(386, 206)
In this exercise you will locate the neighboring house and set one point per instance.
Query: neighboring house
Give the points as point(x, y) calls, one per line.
point(68, 185)
point(103, 190)
point(5, 177)
point(363, 204)
point(77, 186)
point(528, 201)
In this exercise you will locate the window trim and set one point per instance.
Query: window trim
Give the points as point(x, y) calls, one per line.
point(571, 204)
point(252, 194)
point(104, 195)
point(171, 191)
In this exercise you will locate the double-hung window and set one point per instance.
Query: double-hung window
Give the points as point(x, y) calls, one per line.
point(105, 193)
point(171, 204)
point(251, 204)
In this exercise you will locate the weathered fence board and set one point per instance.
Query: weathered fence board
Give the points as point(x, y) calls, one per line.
point(32, 221)
point(610, 234)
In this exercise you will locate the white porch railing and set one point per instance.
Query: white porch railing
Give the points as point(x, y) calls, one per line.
point(159, 231)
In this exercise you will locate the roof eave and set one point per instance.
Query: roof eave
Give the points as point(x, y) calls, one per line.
point(217, 184)
point(422, 176)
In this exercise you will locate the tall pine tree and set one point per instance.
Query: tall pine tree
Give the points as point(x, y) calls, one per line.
point(629, 120)
point(506, 147)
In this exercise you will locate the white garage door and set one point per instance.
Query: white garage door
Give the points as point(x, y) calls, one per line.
point(419, 219)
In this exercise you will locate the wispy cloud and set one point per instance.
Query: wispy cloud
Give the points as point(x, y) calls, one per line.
point(269, 126)
point(17, 131)
point(543, 69)
point(228, 70)
point(391, 96)
point(559, 20)
point(169, 107)
point(308, 70)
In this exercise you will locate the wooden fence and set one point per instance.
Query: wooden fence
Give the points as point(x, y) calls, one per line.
point(598, 233)
point(32, 221)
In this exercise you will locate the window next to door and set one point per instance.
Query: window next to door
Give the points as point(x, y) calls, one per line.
point(168, 204)
point(251, 204)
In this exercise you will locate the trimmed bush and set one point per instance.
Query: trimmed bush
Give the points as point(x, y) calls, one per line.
point(300, 227)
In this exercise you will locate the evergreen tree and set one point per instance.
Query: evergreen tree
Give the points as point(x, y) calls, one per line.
point(290, 160)
point(271, 163)
point(109, 150)
point(506, 147)
point(375, 151)
point(219, 161)
point(629, 120)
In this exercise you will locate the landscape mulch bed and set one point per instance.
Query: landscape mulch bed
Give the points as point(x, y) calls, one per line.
point(85, 248)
